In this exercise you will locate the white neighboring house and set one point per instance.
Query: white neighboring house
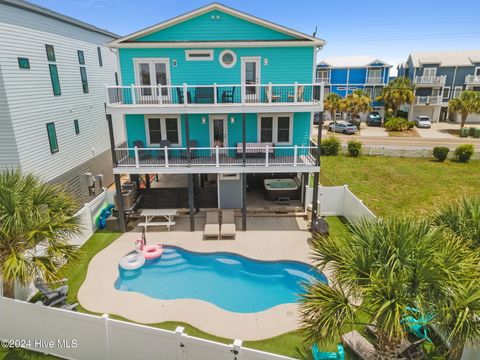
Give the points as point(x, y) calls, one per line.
point(53, 71)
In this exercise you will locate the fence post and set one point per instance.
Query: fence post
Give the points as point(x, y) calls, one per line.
point(295, 153)
point(137, 163)
point(217, 157)
point(424, 152)
point(108, 354)
point(266, 155)
point(132, 92)
point(45, 332)
point(165, 149)
point(236, 349)
point(179, 331)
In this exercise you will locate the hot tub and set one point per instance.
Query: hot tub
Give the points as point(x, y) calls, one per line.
point(275, 188)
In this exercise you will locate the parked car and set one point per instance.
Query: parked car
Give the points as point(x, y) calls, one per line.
point(422, 121)
point(343, 127)
point(355, 121)
point(374, 119)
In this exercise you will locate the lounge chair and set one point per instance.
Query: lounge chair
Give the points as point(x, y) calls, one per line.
point(50, 296)
point(212, 227)
point(228, 227)
point(359, 345)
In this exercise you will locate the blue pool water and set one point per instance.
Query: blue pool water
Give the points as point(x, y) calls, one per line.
point(230, 281)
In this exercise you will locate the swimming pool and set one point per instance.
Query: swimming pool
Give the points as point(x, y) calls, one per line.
point(230, 281)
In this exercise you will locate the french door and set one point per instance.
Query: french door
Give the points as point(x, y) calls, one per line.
point(149, 74)
point(251, 79)
point(218, 131)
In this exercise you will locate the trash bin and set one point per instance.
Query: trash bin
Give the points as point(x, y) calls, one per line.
point(476, 133)
point(309, 212)
point(464, 132)
point(471, 131)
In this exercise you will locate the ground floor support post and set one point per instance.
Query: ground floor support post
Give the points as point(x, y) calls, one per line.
point(244, 202)
point(121, 213)
point(191, 202)
point(315, 196)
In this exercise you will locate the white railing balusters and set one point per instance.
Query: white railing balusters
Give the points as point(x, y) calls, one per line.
point(215, 100)
point(295, 93)
point(132, 93)
point(185, 93)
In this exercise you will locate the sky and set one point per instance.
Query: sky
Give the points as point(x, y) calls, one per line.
point(386, 29)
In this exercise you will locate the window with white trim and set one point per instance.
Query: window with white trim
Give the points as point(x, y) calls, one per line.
point(457, 91)
point(198, 55)
point(160, 128)
point(275, 129)
point(429, 72)
point(227, 59)
point(446, 92)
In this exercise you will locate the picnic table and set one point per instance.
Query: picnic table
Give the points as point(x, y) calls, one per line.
point(150, 214)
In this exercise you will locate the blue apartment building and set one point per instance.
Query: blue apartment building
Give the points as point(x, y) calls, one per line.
point(439, 76)
point(343, 75)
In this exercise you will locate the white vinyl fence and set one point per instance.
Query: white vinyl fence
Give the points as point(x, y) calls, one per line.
point(74, 335)
point(339, 201)
point(408, 152)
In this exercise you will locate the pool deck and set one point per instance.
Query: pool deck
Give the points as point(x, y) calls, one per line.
point(98, 294)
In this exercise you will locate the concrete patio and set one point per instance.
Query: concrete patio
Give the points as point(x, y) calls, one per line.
point(277, 238)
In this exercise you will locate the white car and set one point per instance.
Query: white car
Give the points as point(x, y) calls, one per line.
point(422, 121)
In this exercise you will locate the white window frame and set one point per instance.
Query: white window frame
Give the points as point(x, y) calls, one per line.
point(428, 69)
point(456, 89)
point(232, 176)
point(209, 54)
point(275, 127)
point(228, 66)
point(163, 128)
point(477, 69)
point(447, 90)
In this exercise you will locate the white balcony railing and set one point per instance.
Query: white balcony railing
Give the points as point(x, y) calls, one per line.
point(374, 80)
point(184, 95)
point(325, 80)
point(472, 79)
point(430, 80)
point(428, 100)
point(216, 156)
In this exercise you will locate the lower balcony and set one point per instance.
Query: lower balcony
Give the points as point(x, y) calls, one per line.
point(428, 100)
point(267, 158)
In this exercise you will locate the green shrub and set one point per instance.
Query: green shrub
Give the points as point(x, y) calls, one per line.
point(411, 125)
point(396, 124)
point(354, 148)
point(440, 153)
point(330, 146)
point(464, 152)
point(402, 114)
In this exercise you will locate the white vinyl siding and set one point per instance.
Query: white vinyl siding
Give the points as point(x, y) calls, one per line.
point(31, 103)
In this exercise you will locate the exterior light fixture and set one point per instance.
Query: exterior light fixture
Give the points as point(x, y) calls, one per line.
point(174, 62)
point(204, 120)
point(265, 61)
point(232, 120)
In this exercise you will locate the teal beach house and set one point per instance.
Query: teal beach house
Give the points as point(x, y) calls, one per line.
point(219, 102)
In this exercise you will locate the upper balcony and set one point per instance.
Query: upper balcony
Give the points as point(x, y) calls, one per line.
point(472, 80)
point(260, 158)
point(323, 79)
point(429, 80)
point(199, 99)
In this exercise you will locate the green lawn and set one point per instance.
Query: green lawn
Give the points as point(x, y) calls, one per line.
point(402, 186)
point(285, 344)
point(22, 354)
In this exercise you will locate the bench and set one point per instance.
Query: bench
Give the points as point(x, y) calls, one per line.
point(253, 149)
point(159, 223)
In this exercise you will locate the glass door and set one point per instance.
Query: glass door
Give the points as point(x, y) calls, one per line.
point(218, 131)
point(251, 79)
point(150, 74)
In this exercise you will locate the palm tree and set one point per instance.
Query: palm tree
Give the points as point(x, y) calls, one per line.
point(357, 102)
point(396, 93)
point(467, 103)
point(376, 272)
point(462, 312)
point(333, 103)
point(35, 224)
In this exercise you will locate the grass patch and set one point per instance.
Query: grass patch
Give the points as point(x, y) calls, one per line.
point(406, 133)
point(19, 353)
point(402, 186)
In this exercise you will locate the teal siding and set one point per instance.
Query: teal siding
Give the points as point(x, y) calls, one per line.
point(135, 125)
point(285, 65)
point(204, 28)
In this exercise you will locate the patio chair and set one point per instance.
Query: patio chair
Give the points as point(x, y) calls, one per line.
point(268, 91)
point(359, 345)
point(142, 154)
point(161, 145)
point(191, 144)
point(212, 227)
point(50, 296)
point(228, 227)
point(300, 94)
point(228, 95)
point(181, 98)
